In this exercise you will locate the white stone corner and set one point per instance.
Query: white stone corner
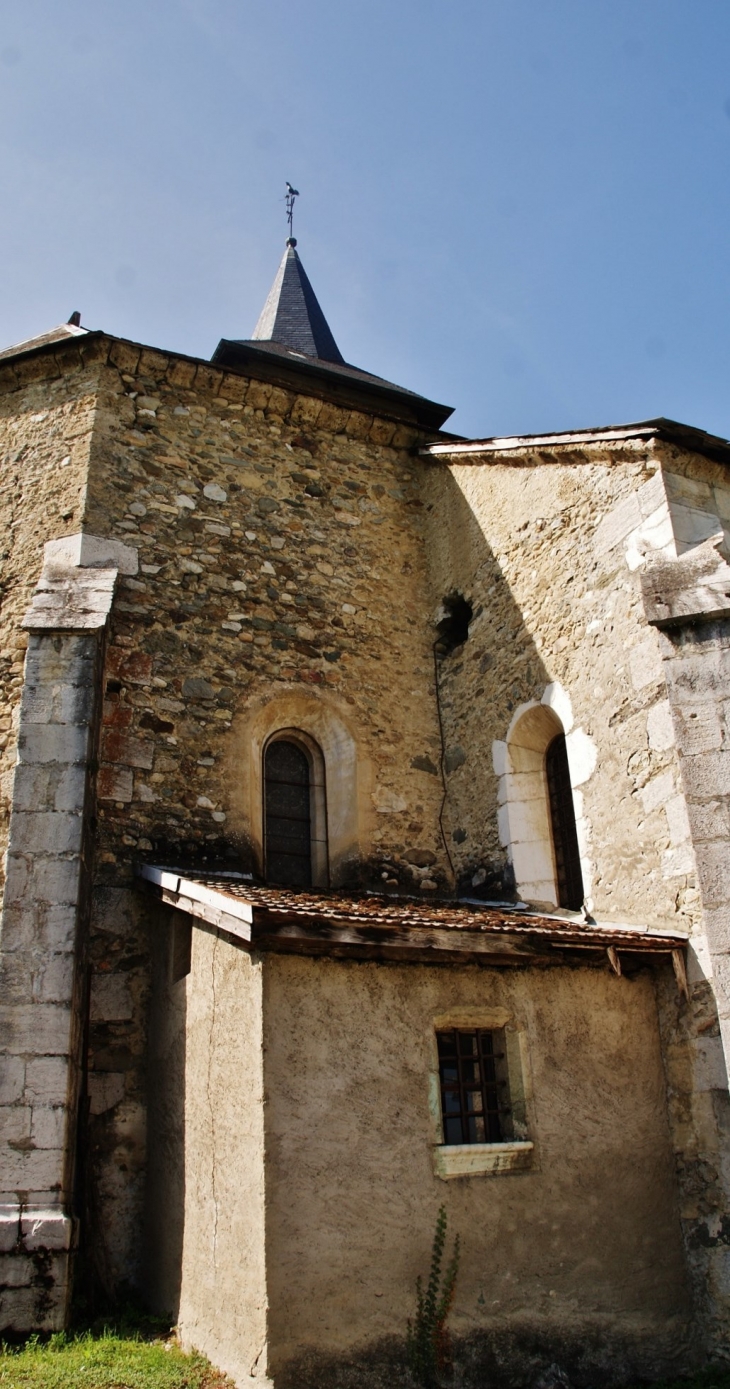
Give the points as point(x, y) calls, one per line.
point(90, 552)
point(556, 697)
point(582, 756)
point(500, 758)
point(42, 1227)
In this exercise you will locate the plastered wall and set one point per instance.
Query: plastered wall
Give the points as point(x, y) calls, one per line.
point(582, 1254)
point(205, 1261)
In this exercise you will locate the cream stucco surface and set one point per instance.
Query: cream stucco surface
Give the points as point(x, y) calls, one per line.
point(588, 1236)
point(222, 1309)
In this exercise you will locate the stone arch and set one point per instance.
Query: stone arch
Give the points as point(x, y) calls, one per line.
point(316, 723)
point(524, 813)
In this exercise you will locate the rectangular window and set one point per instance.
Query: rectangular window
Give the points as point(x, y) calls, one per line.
point(475, 1100)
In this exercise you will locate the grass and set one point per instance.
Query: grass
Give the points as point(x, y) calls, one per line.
point(111, 1360)
point(121, 1358)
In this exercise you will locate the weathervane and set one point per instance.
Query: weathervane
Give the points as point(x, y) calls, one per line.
point(291, 194)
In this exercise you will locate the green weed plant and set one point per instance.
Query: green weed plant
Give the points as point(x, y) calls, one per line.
point(428, 1338)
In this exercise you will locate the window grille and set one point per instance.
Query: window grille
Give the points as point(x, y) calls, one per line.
point(562, 821)
point(475, 1101)
point(288, 828)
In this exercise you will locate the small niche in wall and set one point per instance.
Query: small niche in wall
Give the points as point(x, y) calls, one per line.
point(453, 629)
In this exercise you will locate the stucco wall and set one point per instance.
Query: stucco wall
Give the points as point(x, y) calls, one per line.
point(216, 1210)
point(583, 1253)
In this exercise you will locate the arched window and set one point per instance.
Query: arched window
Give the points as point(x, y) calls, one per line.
point(569, 879)
point(295, 829)
point(538, 803)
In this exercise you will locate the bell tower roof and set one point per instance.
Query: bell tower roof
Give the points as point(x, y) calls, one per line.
point(292, 317)
point(293, 348)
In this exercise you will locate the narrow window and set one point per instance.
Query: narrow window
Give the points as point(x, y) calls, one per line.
point(562, 823)
point(288, 827)
point(475, 1101)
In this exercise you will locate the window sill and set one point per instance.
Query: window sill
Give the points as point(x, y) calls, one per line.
point(480, 1159)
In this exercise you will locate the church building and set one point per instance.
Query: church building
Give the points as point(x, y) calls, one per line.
point(365, 815)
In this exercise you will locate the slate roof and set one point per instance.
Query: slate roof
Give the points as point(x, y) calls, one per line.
point(371, 925)
point(292, 341)
point(292, 316)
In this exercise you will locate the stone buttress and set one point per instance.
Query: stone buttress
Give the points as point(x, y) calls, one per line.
point(42, 962)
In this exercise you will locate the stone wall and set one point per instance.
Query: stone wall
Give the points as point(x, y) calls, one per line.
point(541, 545)
point(282, 577)
point(293, 561)
point(688, 600)
point(277, 554)
point(45, 911)
point(47, 407)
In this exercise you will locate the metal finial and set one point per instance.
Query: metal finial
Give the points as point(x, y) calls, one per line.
point(291, 194)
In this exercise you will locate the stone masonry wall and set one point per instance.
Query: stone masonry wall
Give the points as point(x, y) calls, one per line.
point(696, 653)
point(553, 560)
point(46, 418)
point(280, 559)
point(294, 554)
point(539, 546)
point(277, 553)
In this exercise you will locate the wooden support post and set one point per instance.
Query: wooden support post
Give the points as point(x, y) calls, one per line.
point(680, 973)
point(613, 960)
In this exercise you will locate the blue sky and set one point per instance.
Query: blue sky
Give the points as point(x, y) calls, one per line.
point(519, 207)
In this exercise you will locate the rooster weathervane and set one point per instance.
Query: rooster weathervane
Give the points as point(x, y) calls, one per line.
point(291, 194)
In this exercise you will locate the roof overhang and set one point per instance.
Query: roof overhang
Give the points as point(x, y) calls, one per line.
point(53, 337)
point(683, 436)
point(342, 385)
point(345, 386)
point(376, 927)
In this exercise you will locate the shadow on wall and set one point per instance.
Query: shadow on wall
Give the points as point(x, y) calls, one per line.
point(481, 682)
point(164, 1215)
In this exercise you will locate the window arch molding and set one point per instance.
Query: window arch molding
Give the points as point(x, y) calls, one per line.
point(317, 789)
point(347, 775)
point(525, 824)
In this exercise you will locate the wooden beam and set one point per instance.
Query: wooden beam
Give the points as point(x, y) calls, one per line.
point(680, 973)
point(393, 942)
point(613, 960)
point(213, 916)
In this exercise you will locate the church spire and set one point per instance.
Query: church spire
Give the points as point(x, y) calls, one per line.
point(293, 347)
point(291, 316)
